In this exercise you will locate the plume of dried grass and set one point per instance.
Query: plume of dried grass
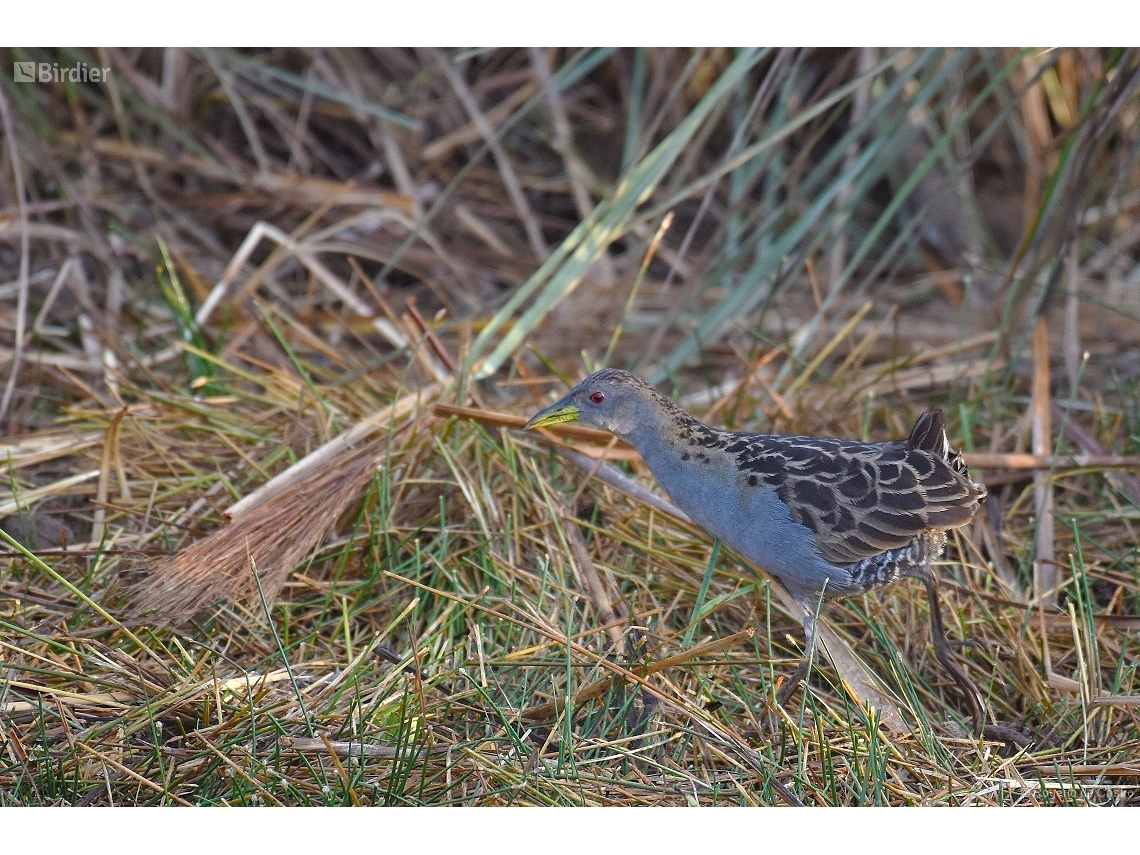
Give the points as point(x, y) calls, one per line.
point(251, 558)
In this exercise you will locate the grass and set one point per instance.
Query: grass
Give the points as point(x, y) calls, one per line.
point(445, 609)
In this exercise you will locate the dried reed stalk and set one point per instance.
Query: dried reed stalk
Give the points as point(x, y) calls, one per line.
point(330, 452)
point(1046, 577)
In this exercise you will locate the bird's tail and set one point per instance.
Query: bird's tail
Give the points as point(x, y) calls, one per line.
point(929, 434)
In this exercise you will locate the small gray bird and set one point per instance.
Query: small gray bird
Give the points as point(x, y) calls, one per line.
point(826, 517)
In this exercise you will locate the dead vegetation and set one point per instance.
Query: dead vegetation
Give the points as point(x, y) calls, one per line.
point(270, 322)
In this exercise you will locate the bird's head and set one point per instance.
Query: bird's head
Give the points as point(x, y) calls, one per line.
point(610, 400)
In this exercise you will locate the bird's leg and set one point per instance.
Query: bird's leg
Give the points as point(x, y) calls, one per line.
point(946, 654)
point(1009, 734)
point(809, 620)
point(643, 704)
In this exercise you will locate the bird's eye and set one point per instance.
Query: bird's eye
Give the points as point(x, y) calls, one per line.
point(598, 397)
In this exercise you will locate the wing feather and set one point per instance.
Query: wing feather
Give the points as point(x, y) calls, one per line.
point(861, 499)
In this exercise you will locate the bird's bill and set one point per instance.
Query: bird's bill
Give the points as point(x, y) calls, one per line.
point(554, 415)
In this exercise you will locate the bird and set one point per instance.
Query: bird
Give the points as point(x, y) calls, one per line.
point(827, 518)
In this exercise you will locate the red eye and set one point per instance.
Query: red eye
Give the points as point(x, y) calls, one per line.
point(598, 397)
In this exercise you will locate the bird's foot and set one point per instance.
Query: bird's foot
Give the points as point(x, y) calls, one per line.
point(1009, 734)
point(770, 723)
point(793, 683)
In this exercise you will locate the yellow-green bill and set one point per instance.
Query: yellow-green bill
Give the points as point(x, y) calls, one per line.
point(554, 416)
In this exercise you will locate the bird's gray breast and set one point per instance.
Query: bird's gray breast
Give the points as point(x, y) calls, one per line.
point(751, 519)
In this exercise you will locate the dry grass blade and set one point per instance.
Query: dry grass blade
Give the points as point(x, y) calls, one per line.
point(511, 420)
point(332, 453)
point(1053, 462)
point(356, 749)
point(1045, 575)
point(599, 688)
